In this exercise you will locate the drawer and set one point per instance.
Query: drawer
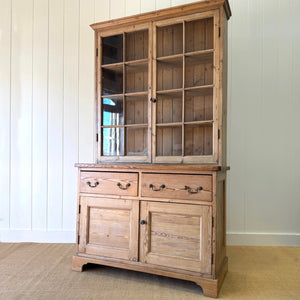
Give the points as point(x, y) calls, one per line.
point(109, 183)
point(176, 186)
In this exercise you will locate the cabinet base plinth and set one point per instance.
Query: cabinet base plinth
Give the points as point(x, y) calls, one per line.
point(210, 287)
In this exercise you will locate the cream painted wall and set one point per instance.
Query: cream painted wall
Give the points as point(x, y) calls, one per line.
point(47, 115)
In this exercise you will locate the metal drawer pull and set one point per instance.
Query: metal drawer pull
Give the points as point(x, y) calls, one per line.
point(123, 188)
point(191, 191)
point(90, 184)
point(151, 186)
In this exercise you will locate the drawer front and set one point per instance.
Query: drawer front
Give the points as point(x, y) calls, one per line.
point(175, 186)
point(109, 183)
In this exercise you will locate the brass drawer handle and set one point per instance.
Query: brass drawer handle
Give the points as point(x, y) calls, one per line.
point(90, 184)
point(151, 186)
point(191, 191)
point(123, 188)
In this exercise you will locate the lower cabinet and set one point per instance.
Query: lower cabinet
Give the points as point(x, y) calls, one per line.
point(155, 221)
point(170, 235)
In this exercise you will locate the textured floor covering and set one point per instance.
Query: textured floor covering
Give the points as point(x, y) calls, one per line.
point(43, 271)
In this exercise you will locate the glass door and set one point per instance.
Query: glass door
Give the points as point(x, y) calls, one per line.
point(123, 112)
point(185, 110)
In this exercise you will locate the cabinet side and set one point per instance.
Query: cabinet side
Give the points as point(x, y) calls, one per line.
point(220, 221)
point(223, 87)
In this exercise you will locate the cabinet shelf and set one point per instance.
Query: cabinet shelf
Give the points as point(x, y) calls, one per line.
point(175, 124)
point(126, 125)
point(117, 67)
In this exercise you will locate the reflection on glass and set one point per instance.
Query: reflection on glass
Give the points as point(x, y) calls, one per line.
point(112, 110)
point(112, 141)
point(136, 141)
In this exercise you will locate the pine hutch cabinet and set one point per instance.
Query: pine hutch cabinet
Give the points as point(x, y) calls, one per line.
point(154, 200)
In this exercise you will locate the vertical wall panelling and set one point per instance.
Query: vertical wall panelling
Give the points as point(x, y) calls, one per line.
point(147, 5)
point(55, 114)
point(39, 115)
point(21, 114)
point(47, 115)
point(177, 2)
point(266, 41)
point(102, 10)
point(132, 7)
point(5, 43)
point(160, 4)
point(237, 147)
point(70, 111)
point(117, 9)
point(86, 131)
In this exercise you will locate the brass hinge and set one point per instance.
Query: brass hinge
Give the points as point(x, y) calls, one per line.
point(97, 137)
point(96, 51)
point(219, 134)
point(212, 258)
point(78, 239)
point(219, 31)
point(79, 209)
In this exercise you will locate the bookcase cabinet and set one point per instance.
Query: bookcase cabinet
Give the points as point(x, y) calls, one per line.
point(154, 200)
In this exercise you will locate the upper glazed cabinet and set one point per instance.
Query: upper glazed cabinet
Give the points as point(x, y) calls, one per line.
point(159, 91)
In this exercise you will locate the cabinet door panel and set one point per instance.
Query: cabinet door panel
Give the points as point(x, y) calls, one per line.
point(176, 236)
point(109, 227)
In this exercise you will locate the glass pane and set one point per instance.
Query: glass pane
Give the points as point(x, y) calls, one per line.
point(198, 140)
point(112, 111)
point(136, 45)
point(136, 78)
point(199, 70)
point(199, 35)
point(112, 49)
point(198, 105)
point(169, 40)
point(136, 141)
point(169, 141)
point(112, 81)
point(136, 110)
point(169, 74)
point(112, 141)
point(169, 108)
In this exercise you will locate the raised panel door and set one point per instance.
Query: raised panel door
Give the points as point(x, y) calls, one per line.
point(109, 227)
point(176, 235)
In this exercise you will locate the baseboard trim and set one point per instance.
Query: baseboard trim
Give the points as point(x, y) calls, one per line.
point(37, 236)
point(263, 239)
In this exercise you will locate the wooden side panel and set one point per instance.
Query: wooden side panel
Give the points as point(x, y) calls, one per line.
point(21, 113)
point(109, 227)
point(223, 86)
point(5, 116)
point(176, 236)
point(220, 225)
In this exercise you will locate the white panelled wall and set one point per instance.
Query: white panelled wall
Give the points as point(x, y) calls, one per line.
point(47, 115)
